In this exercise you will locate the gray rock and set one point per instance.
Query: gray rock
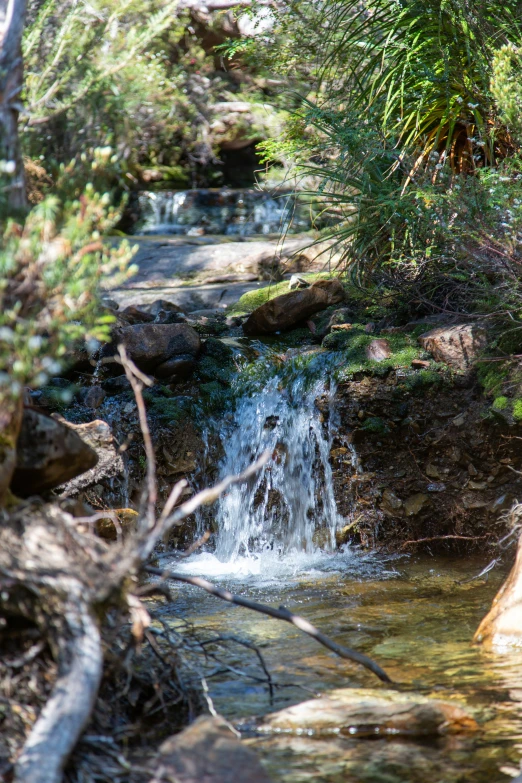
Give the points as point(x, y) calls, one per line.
point(209, 751)
point(98, 435)
point(457, 346)
point(391, 504)
point(176, 369)
point(149, 345)
point(378, 350)
point(49, 453)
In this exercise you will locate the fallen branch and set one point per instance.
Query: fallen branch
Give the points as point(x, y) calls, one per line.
point(279, 614)
point(441, 538)
point(69, 708)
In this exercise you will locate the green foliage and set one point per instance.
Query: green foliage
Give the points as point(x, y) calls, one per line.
point(51, 268)
point(500, 403)
point(492, 376)
point(376, 425)
point(517, 410)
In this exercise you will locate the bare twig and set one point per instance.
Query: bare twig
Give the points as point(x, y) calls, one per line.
point(136, 379)
point(441, 538)
point(279, 614)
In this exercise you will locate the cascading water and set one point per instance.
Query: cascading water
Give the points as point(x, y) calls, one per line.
point(292, 496)
point(225, 211)
point(286, 513)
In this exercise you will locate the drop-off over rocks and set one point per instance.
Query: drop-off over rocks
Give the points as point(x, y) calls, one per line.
point(285, 311)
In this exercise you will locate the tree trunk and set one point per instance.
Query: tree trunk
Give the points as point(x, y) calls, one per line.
point(12, 17)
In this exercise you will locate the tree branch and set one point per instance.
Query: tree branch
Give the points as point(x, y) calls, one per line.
point(279, 614)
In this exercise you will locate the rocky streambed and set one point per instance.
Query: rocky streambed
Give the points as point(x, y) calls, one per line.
point(385, 450)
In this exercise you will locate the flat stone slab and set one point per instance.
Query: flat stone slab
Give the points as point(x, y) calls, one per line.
point(367, 712)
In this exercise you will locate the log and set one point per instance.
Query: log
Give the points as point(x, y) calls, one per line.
point(69, 708)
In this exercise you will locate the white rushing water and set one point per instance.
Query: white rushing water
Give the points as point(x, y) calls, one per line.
point(231, 212)
point(283, 520)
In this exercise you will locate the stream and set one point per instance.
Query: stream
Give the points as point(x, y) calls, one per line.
point(414, 615)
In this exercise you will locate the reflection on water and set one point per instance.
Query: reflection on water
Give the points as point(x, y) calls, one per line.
point(412, 617)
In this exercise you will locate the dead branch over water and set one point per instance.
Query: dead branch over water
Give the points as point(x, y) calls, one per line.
point(282, 613)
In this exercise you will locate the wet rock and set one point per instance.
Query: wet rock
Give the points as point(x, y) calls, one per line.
point(285, 311)
point(160, 305)
point(98, 435)
point(149, 345)
point(179, 368)
point(113, 386)
point(92, 396)
point(127, 520)
point(49, 453)
point(133, 315)
point(502, 626)
point(209, 751)
point(420, 364)
point(170, 317)
point(414, 504)
point(368, 712)
point(457, 345)
point(391, 504)
point(378, 350)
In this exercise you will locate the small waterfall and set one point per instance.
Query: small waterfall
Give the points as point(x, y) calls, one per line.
point(225, 211)
point(289, 506)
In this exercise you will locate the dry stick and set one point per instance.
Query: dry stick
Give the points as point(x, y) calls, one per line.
point(136, 379)
point(441, 538)
point(280, 614)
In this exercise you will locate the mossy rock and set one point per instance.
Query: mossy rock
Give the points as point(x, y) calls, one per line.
point(254, 299)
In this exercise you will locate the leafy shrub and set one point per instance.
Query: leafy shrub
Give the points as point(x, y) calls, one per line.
point(51, 269)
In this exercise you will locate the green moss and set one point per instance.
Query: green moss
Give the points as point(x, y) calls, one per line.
point(166, 409)
point(254, 299)
point(500, 403)
point(517, 410)
point(422, 379)
point(491, 376)
point(354, 344)
point(376, 425)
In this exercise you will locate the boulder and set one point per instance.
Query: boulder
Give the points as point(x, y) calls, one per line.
point(502, 626)
point(149, 345)
point(457, 345)
point(49, 453)
point(209, 751)
point(98, 435)
point(363, 711)
point(285, 311)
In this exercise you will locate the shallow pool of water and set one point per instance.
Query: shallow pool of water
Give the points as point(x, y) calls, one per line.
point(416, 617)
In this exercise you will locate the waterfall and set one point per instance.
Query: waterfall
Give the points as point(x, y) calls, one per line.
point(225, 211)
point(290, 504)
